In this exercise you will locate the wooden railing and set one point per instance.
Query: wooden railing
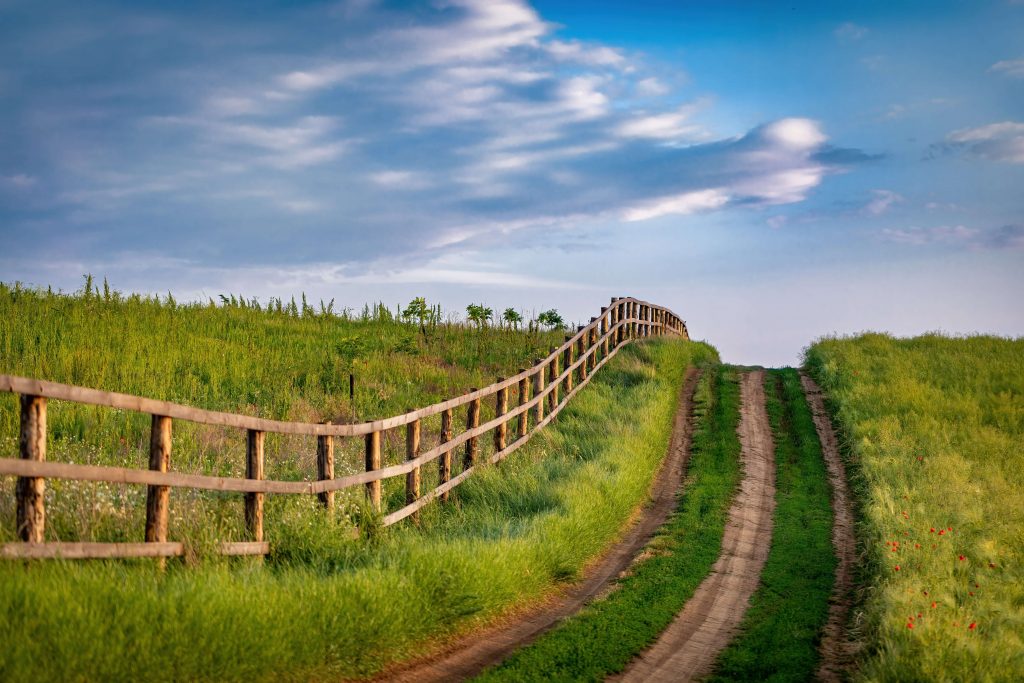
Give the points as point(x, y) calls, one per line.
point(554, 381)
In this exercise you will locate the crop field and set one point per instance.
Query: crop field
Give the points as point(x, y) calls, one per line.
point(934, 429)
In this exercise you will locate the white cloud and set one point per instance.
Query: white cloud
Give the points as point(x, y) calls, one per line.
point(651, 87)
point(1014, 68)
point(401, 180)
point(997, 141)
point(683, 204)
point(577, 52)
point(1003, 237)
point(668, 126)
point(795, 133)
point(883, 200)
point(850, 32)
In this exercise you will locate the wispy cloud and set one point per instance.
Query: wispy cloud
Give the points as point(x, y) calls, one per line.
point(849, 32)
point(1003, 237)
point(996, 142)
point(881, 202)
point(1014, 68)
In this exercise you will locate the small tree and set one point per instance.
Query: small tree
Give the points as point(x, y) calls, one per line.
point(512, 317)
point(419, 311)
point(479, 315)
point(551, 320)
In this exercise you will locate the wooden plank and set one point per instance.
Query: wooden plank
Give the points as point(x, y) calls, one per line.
point(29, 491)
point(325, 470)
point(254, 442)
point(472, 422)
point(444, 463)
point(500, 408)
point(85, 551)
point(412, 478)
point(372, 465)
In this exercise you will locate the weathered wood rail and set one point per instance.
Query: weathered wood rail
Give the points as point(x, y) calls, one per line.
point(554, 381)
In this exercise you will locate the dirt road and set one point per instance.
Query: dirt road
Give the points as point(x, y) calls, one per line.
point(481, 649)
point(688, 647)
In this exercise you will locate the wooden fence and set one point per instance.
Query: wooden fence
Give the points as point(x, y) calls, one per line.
point(538, 394)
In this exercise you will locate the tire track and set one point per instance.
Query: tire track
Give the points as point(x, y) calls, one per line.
point(688, 647)
point(836, 651)
point(481, 649)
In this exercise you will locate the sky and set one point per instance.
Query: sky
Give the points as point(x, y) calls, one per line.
point(773, 172)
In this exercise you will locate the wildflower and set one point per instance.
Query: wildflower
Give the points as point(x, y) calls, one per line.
point(896, 568)
point(932, 530)
point(962, 558)
point(991, 565)
point(910, 624)
point(917, 545)
point(973, 625)
point(934, 605)
point(942, 532)
point(970, 593)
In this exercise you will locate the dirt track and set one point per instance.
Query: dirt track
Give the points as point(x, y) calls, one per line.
point(480, 649)
point(688, 647)
point(836, 651)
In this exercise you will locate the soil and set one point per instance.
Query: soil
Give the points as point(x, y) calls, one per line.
point(473, 652)
point(837, 652)
point(687, 649)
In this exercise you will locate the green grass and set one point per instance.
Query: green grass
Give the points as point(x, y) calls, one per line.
point(779, 635)
point(281, 364)
point(935, 431)
point(326, 606)
point(602, 638)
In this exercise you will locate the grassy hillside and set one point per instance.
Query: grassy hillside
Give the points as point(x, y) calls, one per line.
point(935, 428)
point(327, 606)
point(280, 361)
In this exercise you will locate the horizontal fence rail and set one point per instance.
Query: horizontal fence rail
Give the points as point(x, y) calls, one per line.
point(540, 393)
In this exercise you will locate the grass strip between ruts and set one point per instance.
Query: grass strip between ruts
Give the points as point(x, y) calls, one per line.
point(603, 638)
point(779, 635)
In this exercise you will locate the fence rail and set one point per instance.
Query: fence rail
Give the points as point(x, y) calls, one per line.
point(554, 380)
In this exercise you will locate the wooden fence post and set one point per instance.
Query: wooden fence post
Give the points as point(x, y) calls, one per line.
point(373, 464)
point(582, 354)
point(592, 346)
point(158, 497)
point(472, 422)
point(553, 372)
point(254, 470)
point(31, 511)
point(604, 331)
point(325, 468)
point(444, 463)
point(570, 358)
point(538, 387)
point(524, 396)
point(500, 408)
point(412, 477)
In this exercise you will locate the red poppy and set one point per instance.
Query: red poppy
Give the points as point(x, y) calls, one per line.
point(910, 624)
point(932, 530)
point(973, 626)
point(962, 558)
point(934, 605)
point(897, 567)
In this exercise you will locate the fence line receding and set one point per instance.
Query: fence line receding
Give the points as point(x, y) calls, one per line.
point(527, 401)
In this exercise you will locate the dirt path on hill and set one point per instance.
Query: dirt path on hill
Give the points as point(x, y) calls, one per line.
point(478, 650)
point(836, 651)
point(688, 647)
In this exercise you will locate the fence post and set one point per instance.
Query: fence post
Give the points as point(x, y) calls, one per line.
point(472, 422)
point(373, 464)
point(570, 358)
point(500, 408)
point(158, 497)
point(553, 372)
point(412, 477)
point(325, 468)
point(581, 343)
point(31, 512)
point(254, 470)
point(538, 387)
point(621, 306)
point(524, 396)
point(444, 463)
point(604, 331)
point(592, 346)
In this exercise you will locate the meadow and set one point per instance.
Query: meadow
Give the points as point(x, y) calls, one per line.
point(934, 430)
point(325, 603)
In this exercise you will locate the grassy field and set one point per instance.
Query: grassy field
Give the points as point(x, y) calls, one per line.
point(935, 431)
point(325, 604)
point(779, 635)
point(602, 638)
point(276, 361)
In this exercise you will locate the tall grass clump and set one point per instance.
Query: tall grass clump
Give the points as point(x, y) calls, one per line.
point(934, 428)
point(326, 605)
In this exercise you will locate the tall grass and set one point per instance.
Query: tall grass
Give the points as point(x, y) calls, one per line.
point(935, 430)
point(326, 605)
point(277, 361)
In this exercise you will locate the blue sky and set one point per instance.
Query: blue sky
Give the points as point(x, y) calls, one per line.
point(773, 172)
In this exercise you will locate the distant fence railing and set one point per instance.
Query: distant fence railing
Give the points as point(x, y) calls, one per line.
point(552, 381)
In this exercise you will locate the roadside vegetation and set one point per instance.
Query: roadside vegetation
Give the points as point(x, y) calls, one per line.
point(934, 427)
point(324, 604)
point(608, 633)
point(778, 638)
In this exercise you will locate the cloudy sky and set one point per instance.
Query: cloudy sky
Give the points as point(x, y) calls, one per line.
point(771, 171)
